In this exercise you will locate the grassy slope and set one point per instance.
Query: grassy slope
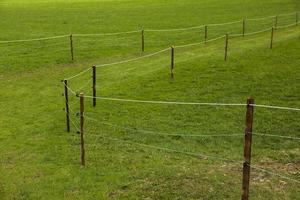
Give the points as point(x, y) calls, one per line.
point(39, 160)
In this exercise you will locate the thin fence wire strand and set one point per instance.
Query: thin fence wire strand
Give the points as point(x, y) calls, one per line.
point(175, 29)
point(104, 34)
point(226, 23)
point(276, 107)
point(133, 59)
point(35, 39)
point(277, 136)
point(168, 150)
point(199, 43)
point(261, 18)
point(79, 74)
point(274, 173)
point(160, 133)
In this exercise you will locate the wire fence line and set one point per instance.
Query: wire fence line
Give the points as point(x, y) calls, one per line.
point(199, 43)
point(161, 133)
point(134, 59)
point(189, 103)
point(136, 31)
point(226, 23)
point(274, 173)
point(197, 155)
point(276, 107)
point(103, 34)
point(34, 39)
point(276, 136)
point(252, 33)
point(180, 46)
point(165, 149)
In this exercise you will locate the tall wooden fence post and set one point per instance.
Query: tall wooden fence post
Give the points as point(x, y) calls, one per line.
point(82, 128)
point(71, 47)
point(172, 61)
point(67, 105)
point(226, 46)
point(94, 85)
point(247, 149)
point(272, 38)
point(205, 33)
point(244, 27)
point(143, 41)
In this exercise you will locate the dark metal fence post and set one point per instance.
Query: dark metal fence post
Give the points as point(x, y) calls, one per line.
point(94, 85)
point(143, 41)
point(226, 46)
point(172, 61)
point(67, 104)
point(71, 47)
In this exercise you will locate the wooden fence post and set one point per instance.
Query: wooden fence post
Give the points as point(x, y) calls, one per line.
point(244, 26)
point(94, 85)
point(272, 37)
point(205, 33)
point(143, 41)
point(71, 47)
point(67, 105)
point(226, 46)
point(82, 128)
point(276, 22)
point(247, 149)
point(172, 61)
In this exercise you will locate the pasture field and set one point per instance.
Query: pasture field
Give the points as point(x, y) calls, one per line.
point(139, 150)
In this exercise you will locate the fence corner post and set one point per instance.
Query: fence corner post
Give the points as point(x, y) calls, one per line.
point(94, 85)
point(247, 149)
point(81, 96)
point(66, 94)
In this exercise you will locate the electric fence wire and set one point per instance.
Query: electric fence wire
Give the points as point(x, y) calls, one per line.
point(161, 133)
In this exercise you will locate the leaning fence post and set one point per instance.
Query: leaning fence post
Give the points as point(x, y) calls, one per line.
point(247, 149)
point(143, 41)
point(94, 85)
point(205, 33)
point(226, 46)
point(172, 61)
point(71, 47)
point(244, 26)
point(67, 105)
point(272, 38)
point(82, 128)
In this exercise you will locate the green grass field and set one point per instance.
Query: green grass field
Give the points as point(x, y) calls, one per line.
point(124, 140)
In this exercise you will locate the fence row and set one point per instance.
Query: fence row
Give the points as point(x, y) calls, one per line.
point(144, 38)
point(248, 133)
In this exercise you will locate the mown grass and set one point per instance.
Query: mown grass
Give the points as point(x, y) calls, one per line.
point(39, 160)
